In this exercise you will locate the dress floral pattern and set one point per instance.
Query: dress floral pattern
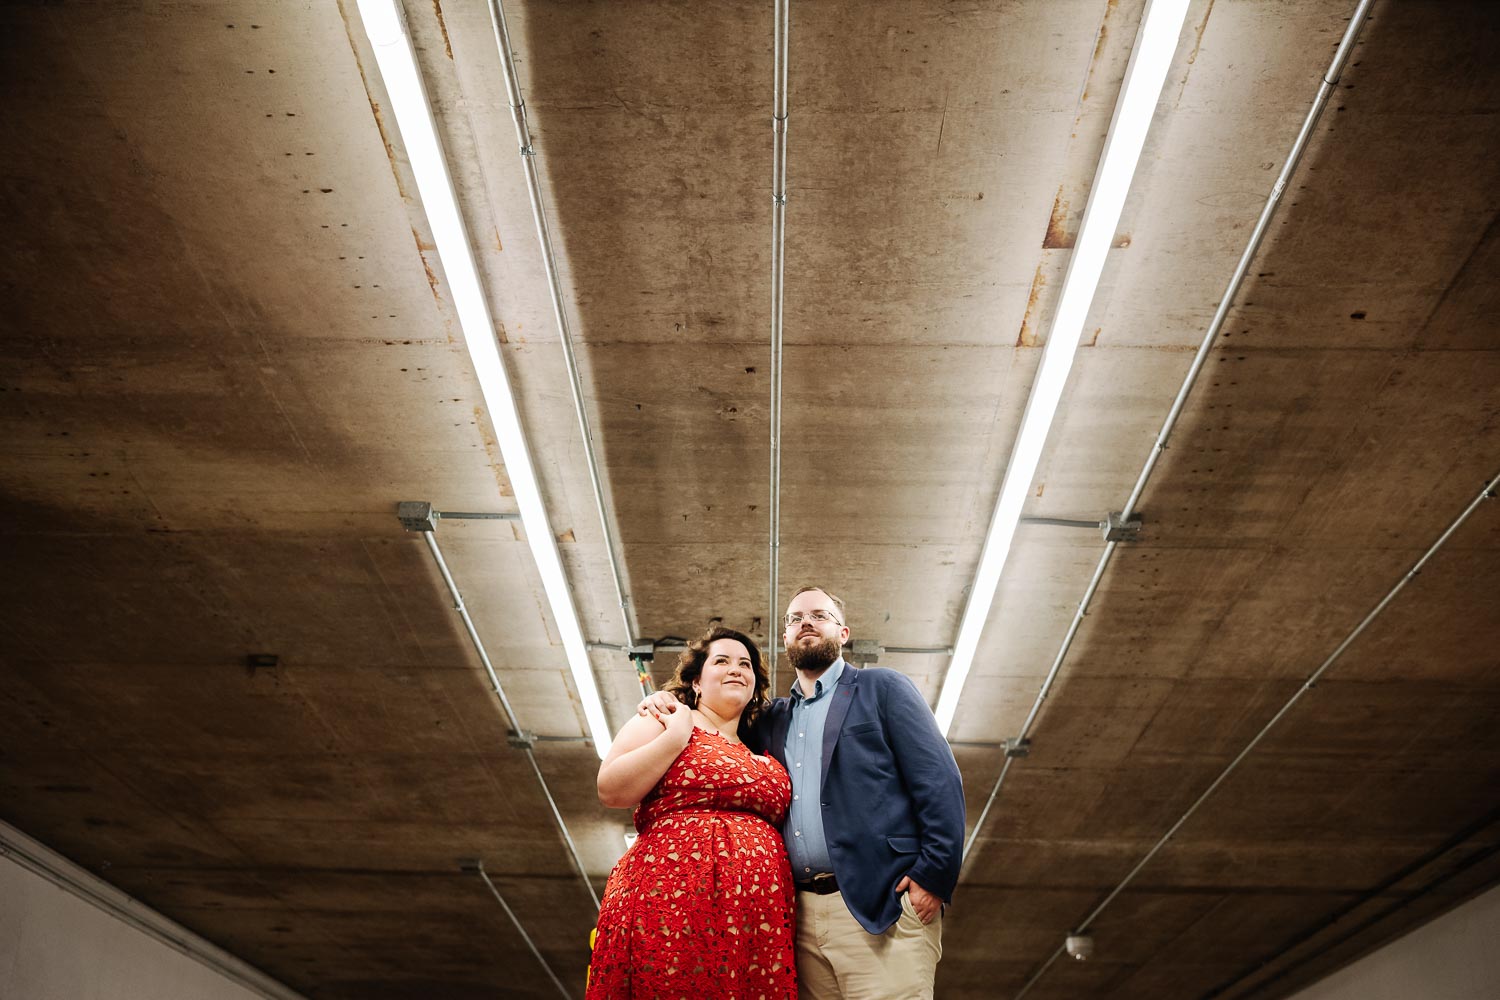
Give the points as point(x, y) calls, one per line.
point(700, 906)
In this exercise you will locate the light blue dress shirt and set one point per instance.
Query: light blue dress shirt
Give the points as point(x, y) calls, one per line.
point(806, 845)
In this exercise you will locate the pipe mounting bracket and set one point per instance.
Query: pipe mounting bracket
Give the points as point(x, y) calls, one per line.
point(417, 515)
point(1121, 529)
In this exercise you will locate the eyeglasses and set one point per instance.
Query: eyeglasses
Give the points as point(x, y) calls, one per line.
point(798, 617)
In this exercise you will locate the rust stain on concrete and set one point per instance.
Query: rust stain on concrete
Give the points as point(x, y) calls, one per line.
point(1109, 9)
point(566, 537)
point(1198, 41)
point(385, 137)
point(498, 245)
point(437, 8)
point(1027, 336)
point(1094, 340)
point(497, 462)
point(1193, 56)
point(432, 278)
point(1098, 51)
point(1122, 241)
point(1058, 237)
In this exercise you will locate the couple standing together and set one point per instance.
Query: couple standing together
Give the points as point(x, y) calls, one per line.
point(712, 901)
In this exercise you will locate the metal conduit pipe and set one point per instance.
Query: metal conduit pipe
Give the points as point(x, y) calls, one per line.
point(554, 286)
point(478, 868)
point(465, 515)
point(463, 614)
point(778, 266)
point(1294, 158)
point(1064, 522)
point(1487, 493)
point(519, 736)
point(1088, 596)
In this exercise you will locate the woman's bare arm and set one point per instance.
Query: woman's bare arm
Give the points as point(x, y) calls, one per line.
point(641, 754)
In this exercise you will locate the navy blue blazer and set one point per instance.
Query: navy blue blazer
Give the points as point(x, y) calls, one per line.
point(892, 797)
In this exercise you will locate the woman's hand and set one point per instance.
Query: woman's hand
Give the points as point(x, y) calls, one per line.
point(679, 722)
point(642, 752)
point(656, 705)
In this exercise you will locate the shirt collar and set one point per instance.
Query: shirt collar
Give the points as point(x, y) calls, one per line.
point(824, 684)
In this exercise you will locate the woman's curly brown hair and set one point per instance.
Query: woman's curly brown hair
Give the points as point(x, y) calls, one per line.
point(690, 666)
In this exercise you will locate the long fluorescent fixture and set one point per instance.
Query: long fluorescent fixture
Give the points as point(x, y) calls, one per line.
point(1155, 44)
point(385, 24)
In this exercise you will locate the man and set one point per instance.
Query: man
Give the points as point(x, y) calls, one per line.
point(875, 830)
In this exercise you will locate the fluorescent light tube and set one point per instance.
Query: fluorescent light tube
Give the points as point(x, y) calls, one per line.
point(1155, 44)
point(385, 24)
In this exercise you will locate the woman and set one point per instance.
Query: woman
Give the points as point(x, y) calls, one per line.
point(701, 904)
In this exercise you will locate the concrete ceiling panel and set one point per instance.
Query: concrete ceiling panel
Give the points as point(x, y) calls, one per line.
point(1461, 320)
point(882, 215)
point(1028, 914)
point(992, 708)
point(1274, 798)
point(405, 845)
point(1212, 719)
point(418, 709)
point(175, 708)
point(1105, 428)
point(1079, 734)
point(233, 350)
point(83, 805)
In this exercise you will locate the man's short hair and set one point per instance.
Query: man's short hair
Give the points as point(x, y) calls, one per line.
point(837, 601)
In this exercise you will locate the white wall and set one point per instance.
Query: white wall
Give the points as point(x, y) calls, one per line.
point(91, 942)
point(1455, 957)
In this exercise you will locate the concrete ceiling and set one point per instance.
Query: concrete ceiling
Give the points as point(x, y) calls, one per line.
point(230, 350)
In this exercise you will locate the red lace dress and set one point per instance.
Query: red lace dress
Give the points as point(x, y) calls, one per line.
point(701, 905)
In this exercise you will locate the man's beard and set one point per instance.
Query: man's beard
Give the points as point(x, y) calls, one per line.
point(814, 658)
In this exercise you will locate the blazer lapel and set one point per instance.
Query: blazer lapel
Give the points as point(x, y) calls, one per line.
point(780, 722)
point(842, 699)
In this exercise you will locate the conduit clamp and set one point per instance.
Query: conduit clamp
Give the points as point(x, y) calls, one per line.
point(1121, 529)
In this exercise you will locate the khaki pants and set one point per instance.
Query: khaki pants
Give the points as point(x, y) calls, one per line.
point(837, 959)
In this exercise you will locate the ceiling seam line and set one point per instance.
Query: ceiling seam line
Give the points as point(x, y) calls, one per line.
point(1200, 357)
point(1326, 84)
point(559, 309)
point(1151, 55)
